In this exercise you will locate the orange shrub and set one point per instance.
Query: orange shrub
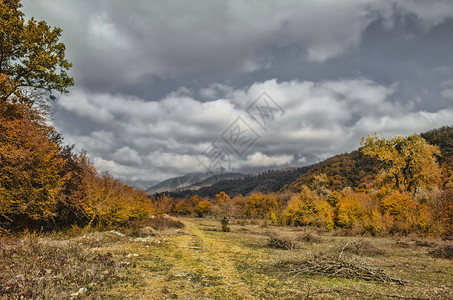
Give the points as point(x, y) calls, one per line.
point(352, 209)
point(259, 205)
point(203, 207)
point(306, 208)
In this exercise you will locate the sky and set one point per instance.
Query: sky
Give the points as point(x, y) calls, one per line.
point(165, 88)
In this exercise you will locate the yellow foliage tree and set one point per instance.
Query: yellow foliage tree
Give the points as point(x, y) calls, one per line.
point(409, 163)
point(224, 209)
point(306, 208)
point(203, 207)
point(259, 205)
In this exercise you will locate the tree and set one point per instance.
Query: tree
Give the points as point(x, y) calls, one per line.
point(30, 167)
point(224, 209)
point(302, 210)
point(409, 163)
point(352, 209)
point(259, 205)
point(203, 207)
point(31, 56)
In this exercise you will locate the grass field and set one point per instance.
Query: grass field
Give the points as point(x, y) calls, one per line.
point(201, 262)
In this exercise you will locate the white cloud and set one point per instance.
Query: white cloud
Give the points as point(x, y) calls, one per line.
point(127, 156)
point(259, 159)
point(83, 107)
point(96, 143)
point(169, 135)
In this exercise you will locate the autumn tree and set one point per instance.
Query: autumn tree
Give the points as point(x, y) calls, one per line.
point(442, 212)
point(203, 207)
point(224, 209)
point(408, 163)
point(259, 205)
point(30, 167)
point(306, 209)
point(319, 184)
point(352, 209)
point(31, 56)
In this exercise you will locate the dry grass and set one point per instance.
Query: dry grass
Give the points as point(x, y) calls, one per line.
point(32, 268)
point(360, 247)
point(199, 261)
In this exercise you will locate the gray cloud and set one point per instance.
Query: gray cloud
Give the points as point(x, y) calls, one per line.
point(118, 42)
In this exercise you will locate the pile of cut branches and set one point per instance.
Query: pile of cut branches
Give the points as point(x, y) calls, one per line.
point(338, 265)
point(280, 243)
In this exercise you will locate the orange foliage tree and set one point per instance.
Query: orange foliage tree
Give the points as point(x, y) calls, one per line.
point(307, 208)
point(259, 205)
point(224, 209)
point(30, 166)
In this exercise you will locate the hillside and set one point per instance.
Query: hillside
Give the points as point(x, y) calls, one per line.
point(217, 178)
point(358, 171)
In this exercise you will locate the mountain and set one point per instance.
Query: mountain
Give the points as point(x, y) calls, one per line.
point(352, 169)
point(266, 182)
point(175, 183)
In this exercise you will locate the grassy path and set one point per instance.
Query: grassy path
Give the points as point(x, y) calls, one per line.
point(191, 262)
point(200, 262)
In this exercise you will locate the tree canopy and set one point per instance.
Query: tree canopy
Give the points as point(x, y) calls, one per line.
point(409, 163)
point(31, 56)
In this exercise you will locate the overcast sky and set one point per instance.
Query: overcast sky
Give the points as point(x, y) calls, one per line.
point(160, 84)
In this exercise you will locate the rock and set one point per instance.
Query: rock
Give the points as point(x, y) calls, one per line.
point(117, 233)
point(79, 292)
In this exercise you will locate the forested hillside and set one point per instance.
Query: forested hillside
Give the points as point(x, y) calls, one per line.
point(359, 171)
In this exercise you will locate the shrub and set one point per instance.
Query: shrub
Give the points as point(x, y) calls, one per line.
point(280, 243)
point(445, 251)
point(203, 207)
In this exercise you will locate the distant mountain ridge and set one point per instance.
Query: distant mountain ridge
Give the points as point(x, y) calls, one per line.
point(217, 178)
point(190, 181)
point(175, 183)
point(266, 182)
